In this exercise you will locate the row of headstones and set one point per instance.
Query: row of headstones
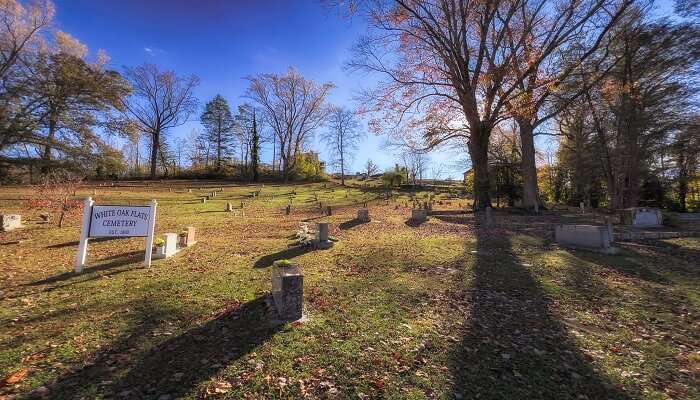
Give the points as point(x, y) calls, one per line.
point(172, 243)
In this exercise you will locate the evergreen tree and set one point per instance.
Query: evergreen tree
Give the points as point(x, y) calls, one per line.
point(219, 123)
point(255, 150)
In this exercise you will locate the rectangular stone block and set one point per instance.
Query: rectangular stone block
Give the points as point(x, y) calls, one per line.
point(590, 237)
point(170, 244)
point(419, 215)
point(642, 217)
point(322, 232)
point(363, 215)
point(288, 291)
point(189, 239)
point(10, 222)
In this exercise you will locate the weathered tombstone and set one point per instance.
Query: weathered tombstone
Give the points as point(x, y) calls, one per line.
point(190, 238)
point(10, 222)
point(588, 237)
point(642, 217)
point(189, 190)
point(583, 209)
point(363, 215)
point(288, 210)
point(329, 211)
point(242, 204)
point(170, 190)
point(322, 236)
point(419, 215)
point(45, 218)
point(204, 199)
point(288, 290)
point(229, 207)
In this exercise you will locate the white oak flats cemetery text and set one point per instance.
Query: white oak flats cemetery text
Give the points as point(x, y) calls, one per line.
point(101, 221)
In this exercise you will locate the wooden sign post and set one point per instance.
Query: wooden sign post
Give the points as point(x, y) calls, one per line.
point(116, 221)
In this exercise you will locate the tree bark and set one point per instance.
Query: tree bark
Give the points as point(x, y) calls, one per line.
point(531, 192)
point(478, 151)
point(154, 153)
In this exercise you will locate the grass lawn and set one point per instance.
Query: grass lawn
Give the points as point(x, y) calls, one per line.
point(446, 309)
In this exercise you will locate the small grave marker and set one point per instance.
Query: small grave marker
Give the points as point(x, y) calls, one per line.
point(363, 215)
point(10, 222)
point(288, 290)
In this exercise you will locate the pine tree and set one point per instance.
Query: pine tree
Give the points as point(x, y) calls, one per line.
point(255, 150)
point(219, 123)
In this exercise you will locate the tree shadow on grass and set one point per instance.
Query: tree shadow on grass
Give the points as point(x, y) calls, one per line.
point(175, 366)
point(350, 224)
point(291, 252)
point(622, 264)
point(514, 346)
point(77, 242)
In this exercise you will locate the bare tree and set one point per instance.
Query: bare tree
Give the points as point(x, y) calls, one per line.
point(294, 107)
point(448, 64)
point(161, 100)
point(342, 137)
point(370, 168)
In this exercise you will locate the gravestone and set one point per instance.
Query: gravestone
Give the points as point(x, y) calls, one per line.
point(288, 291)
point(583, 209)
point(189, 239)
point(169, 248)
point(419, 215)
point(329, 211)
point(204, 199)
point(45, 218)
point(322, 236)
point(288, 210)
point(229, 207)
point(10, 222)
point(189, 190)
point(642, 217)
point(363, 215)
point(587, 237)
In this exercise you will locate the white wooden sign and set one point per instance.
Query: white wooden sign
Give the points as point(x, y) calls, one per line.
point(119, 221)
point(116, 221)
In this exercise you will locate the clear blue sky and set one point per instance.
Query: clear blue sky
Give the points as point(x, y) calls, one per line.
point(223, 41)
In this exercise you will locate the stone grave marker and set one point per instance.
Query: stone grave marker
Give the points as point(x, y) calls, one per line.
point(363, 215)
point(587, 237)
point(642, 217)
point(329, 211)
point(288, 290)
point(229, 207)
point(322, 236)
point(419, 215)
point(10, 222)
point(169, 248)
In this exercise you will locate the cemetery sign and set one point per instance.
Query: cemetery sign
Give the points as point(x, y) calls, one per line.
point(119, 221)
point(101, 221)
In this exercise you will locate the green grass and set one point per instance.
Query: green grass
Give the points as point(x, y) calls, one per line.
point(440, 310)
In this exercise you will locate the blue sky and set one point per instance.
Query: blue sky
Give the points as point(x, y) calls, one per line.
point(222, 41)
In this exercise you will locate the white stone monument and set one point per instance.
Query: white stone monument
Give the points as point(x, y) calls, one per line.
point(10, 222)
point(642, 217)
point(587, 237)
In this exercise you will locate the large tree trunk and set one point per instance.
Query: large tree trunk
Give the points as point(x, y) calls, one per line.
point(46, 157)
point(478, 151)
point(531, 192)
point(154, 153)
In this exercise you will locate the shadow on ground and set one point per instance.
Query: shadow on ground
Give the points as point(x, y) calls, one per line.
point(173, 368)
point(291, 252)
point(350, 224)
point(514, 346)
point(122, 260)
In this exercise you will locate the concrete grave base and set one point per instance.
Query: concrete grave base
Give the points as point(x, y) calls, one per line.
point(585, 237)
